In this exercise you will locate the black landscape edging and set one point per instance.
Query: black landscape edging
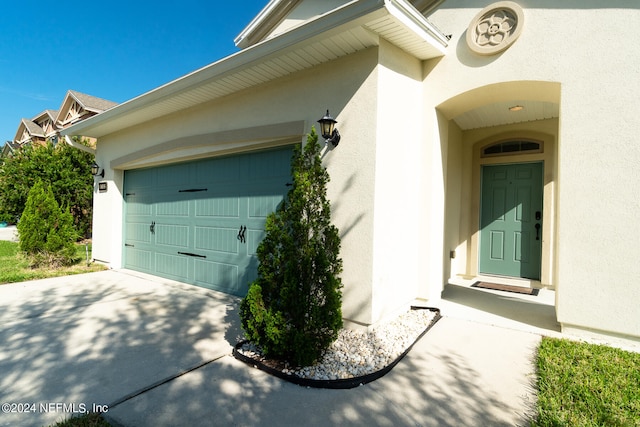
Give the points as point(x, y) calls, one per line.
point(344, 383)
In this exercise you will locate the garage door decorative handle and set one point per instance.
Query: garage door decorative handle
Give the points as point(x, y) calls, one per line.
point(192, 190)
point(152, 227)
point(241, 234)
point(192, 254)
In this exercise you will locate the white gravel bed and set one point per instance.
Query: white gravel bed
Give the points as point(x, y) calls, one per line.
point(358, 353)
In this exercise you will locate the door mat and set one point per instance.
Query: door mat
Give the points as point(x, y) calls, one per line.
point(506, 288)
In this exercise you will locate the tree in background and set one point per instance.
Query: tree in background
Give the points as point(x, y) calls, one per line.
point(46, 231)
point(293, 310)
point(64, 168)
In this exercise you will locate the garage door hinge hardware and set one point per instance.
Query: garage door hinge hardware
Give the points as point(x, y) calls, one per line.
point(130, 194)
point(192, 190)
point(128, 245)
point(241, 234)
point(193, 255)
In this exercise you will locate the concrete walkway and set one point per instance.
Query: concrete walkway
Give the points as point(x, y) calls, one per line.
point(157, 353)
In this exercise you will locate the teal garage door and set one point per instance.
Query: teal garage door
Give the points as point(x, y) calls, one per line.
point(201, 222)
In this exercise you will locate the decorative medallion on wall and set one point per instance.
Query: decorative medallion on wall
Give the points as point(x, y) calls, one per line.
point(495, 28)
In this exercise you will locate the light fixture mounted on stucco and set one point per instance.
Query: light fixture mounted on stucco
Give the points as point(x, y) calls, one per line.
point(94, 170)
point(495, 28)
point(328, 130)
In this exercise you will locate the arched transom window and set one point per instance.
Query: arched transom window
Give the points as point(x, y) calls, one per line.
point(512, 147)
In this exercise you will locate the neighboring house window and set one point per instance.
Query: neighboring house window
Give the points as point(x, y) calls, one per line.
point(512, 147)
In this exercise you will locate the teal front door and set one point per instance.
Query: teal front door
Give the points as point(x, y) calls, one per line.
point(511, 220)
point(201, 222)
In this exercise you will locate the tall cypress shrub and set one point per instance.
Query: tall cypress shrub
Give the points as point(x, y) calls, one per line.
point(46, 231)
point(293, 310)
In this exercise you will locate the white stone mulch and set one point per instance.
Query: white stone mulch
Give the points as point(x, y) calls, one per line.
point(358, 353)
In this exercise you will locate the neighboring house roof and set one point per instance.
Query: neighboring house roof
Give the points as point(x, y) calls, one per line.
point(77, 106)
point(30, 128)
point(355, 26)
point(47, 121)
point(9, 148)
point(92, 103)
point(50, 114)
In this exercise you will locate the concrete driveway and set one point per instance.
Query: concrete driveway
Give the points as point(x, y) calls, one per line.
point(158, 353)
point(69, 343)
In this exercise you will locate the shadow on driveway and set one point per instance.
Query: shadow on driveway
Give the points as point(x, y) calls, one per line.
point(114, 338)
point(97, 338)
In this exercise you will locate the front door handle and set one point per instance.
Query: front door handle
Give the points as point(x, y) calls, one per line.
point(537, 231)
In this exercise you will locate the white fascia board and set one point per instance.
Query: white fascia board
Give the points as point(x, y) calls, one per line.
point(349, 13)
point(268, 16)
point(354, 13)
point(414, 20)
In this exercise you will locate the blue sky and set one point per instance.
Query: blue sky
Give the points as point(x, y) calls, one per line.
point(114, 50)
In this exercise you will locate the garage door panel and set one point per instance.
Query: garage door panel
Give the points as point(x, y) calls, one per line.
point(140, 179)
point(261, 206)
point(261, 166)
point(218, 207)
point(217, 275)
point(173, 266)
point(138, 232)
point(254, 237)
point(172, 203)
point(138, 205)
point(172, 235)
point(216, 239)
point(174, 176)
point(139, 259)
point(219, 171)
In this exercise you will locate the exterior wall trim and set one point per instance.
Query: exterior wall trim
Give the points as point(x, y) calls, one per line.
point(224, 142)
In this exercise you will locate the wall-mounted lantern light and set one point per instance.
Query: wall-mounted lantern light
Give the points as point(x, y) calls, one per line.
point(328, 130)
point(95, 170)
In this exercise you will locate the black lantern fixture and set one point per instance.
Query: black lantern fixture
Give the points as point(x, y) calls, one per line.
point(328, 130)
point(94, 170)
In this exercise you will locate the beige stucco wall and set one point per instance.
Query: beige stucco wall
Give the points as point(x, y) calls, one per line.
point(348, 87)
point(594, 259)
point(404, 179)
point(400, 206)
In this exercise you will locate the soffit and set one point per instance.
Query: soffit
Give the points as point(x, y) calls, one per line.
point(498, 113)
point(350, 29)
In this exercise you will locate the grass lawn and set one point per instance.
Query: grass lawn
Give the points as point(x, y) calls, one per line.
point(15, 268)
point(582, 384)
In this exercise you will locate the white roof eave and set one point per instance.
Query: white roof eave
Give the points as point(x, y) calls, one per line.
point(353, 15)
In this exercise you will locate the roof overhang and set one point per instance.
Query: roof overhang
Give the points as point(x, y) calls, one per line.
point(356, 26)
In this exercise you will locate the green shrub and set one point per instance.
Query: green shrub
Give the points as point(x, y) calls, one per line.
point(293, 310)
point(66, 169)
point(46, 231)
